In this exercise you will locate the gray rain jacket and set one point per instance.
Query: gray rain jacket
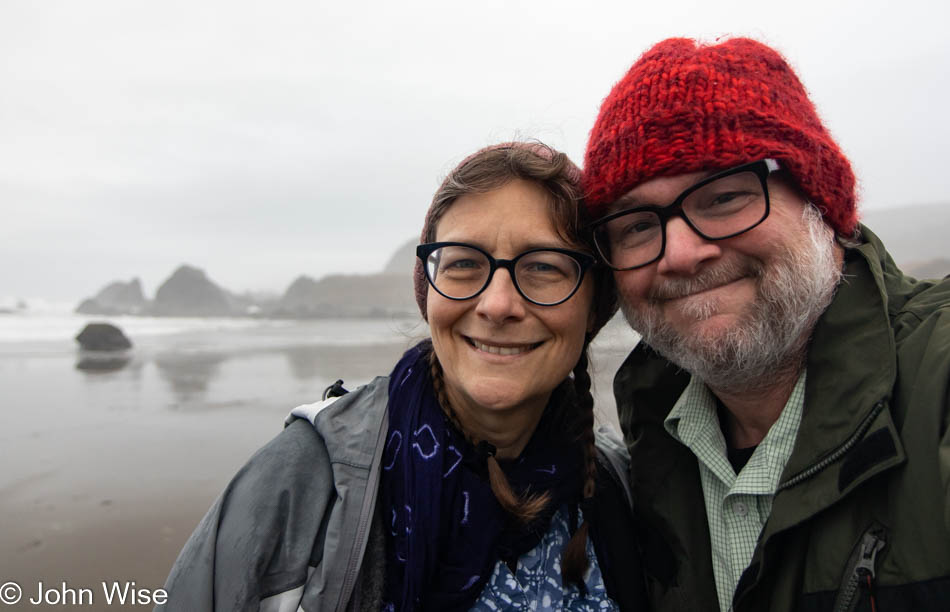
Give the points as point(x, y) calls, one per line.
point(291, 530)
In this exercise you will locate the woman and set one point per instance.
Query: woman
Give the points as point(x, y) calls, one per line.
point(469, 478)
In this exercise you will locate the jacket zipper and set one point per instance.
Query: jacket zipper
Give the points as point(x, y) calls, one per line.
point(838, 453)
point(366, 518)
point(862, 569)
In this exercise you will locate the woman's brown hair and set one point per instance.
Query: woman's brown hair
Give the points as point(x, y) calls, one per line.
point(486, 171)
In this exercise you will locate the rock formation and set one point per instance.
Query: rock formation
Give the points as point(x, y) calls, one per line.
point(190, 293)
point(102, 337)
point(935, 268)
point(358, 295)
point(116, 298)
point(403, 260)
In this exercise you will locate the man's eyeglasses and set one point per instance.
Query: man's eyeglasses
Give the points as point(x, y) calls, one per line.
point(718, 207)
point(546, 277)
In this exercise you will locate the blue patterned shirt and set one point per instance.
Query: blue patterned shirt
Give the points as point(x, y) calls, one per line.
point(536, 583)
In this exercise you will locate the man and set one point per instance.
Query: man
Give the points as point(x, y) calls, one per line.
point(787, 409)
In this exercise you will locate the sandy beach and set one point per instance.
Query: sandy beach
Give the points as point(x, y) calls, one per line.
point(107, 473)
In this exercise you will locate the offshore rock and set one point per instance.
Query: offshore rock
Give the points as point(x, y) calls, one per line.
point(116, 298)
point(190, 293)
point(103, 337)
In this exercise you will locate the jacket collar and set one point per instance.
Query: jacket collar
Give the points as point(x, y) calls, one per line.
point(852, 360)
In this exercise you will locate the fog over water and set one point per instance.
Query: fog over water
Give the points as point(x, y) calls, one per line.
point(263, 141)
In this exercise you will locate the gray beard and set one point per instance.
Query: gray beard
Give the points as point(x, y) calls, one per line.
point(771, 338)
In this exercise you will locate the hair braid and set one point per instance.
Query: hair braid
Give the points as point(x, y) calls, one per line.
point(524, 508)
point(574, 560)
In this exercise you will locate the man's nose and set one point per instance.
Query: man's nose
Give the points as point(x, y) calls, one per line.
point(500, 301)
point(686, 251)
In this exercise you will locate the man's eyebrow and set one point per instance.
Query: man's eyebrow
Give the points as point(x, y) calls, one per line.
point(625, 202)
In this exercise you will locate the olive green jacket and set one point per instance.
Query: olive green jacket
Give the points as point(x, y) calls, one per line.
point(863, 508)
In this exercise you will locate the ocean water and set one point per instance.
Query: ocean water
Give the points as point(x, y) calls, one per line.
point(106, 471)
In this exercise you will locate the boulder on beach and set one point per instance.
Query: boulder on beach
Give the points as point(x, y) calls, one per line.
point(103, 337)
point(116, 298)
point(190, 293)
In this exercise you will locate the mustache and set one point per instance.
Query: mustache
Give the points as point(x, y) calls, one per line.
point(709, 278)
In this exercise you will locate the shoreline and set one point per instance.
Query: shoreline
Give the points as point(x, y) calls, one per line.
point(107, 474)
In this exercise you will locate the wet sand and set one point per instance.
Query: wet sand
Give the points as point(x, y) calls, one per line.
point(107, 473)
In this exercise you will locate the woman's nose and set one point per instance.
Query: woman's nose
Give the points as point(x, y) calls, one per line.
point(500, 301)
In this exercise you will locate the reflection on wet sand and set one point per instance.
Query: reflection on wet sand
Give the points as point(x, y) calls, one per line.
point(102, 361)
point(305, 362)
point(189, 374)
point(358, 364)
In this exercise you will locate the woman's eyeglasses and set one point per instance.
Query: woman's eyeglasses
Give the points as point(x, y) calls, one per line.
point(546, 277)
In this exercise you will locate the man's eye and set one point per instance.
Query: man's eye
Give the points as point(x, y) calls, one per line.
point(728, 200)
point(639, 227)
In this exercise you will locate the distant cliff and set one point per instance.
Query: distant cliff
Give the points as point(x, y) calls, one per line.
point(359, 295)
point(116, 298)
point(189, 292)
point(911, 234)
point(935, 268)
point(403, 260)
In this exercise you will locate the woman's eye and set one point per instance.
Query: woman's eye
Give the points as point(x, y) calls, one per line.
point(461, 263)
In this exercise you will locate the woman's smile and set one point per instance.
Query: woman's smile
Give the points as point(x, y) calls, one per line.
point(502, 348)
point(500, 352)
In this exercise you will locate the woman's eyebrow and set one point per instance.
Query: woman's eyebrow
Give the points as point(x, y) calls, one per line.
point(553, 243)
point(543, 245)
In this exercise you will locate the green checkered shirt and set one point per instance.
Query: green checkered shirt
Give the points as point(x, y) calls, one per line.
point(736, 506)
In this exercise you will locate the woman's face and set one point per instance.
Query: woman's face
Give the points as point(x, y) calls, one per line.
point(547, 339)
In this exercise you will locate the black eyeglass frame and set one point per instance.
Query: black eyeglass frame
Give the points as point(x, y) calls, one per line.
point(761, 168)
point(584, 261)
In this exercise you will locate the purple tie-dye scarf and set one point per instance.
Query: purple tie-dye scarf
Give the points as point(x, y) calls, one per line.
point(445, 529)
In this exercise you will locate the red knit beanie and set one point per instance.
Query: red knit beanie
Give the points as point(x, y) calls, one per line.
point(686, 107)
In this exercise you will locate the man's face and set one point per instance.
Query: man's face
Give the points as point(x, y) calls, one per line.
point(732, 311)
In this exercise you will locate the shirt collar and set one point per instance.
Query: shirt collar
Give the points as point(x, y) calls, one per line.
point(694, 422)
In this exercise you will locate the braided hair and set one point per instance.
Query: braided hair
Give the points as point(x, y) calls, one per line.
point(484, 171)
point(526, 508)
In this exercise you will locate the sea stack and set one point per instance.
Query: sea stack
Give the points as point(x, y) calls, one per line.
point(190, 293)
point(116, 298)
point(103, 337)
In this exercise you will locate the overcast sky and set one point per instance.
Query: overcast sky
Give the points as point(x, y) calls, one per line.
point(265, 140)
